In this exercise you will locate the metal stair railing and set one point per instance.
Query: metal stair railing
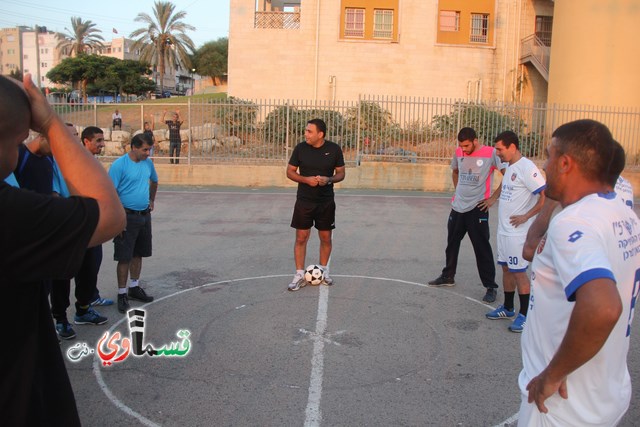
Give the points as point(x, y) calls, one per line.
point(535, 51)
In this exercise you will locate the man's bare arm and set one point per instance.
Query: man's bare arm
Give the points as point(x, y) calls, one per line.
point(85, 176)
point(538, 228)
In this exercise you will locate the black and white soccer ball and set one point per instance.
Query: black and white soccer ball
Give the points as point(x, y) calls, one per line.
point(314, 275)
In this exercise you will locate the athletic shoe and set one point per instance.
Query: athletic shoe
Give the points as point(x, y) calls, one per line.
point(297, 282)
point(500, 313)
point(518, 324)
point(123, 303)
point(102, 301)
point(490, 296)
point(442, 281)
point(65, 331)
point(139, 294)
point(91, 317)
point(327, 280)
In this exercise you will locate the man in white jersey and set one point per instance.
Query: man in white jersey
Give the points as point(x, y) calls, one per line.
point(521, 198)
point(584, 285)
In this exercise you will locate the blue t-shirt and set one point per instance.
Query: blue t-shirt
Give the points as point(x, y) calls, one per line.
point(59, 184)
point(131, 180)
point(12, 181)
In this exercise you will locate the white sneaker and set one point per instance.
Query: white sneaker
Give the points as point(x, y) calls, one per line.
point(297, 282)
point(328, 281)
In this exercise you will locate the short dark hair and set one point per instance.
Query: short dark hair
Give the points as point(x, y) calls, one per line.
point(467, 134)
point(138, 140)
point(508, 137)
point(89, 132)
point(592, 146)
point(15, 108)
point(617, 164)
point(320, 125)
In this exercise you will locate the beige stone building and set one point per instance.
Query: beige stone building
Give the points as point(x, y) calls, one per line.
point(338, 49)
point(10, 50)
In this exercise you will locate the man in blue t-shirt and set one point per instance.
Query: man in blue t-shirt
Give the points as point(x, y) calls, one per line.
point(315, 164)
point(136, 182)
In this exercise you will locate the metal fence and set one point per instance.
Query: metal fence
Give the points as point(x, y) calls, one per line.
point(387, 129)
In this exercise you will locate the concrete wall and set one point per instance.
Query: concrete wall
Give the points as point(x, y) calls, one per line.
point(300, 63)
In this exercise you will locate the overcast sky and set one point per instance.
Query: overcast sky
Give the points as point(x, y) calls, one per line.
point(210, 17)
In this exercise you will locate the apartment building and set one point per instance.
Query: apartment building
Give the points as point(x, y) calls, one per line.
point(10, 51)
point(496, 50)
point(40, 54)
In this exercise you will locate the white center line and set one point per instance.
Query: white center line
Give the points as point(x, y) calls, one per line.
point(313, 414)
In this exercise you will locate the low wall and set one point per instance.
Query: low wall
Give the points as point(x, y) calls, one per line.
point(370, 175)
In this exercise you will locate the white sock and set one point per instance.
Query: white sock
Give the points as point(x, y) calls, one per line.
point(325, 269)
point(133, 283)
point(122, 291)
point(300, 272)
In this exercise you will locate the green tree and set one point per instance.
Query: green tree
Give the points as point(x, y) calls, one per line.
point(16, 74)
point(163, 41)
point(212, 58)
point(84, 69)
point(82, 37)
point(124, 77)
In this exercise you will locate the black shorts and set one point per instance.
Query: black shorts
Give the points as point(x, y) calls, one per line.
point(135, 240)
point(307, 214)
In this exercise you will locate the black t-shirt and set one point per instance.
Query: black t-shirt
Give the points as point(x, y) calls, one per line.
point(174, 131)
point(34, 172)
point(42, 237)
point(312, 161)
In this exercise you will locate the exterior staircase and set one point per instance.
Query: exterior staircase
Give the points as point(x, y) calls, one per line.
point(533, 50)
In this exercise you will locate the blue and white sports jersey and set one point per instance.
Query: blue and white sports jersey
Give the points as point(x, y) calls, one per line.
point(596, 237)
point(624, 189)
point(521, 184)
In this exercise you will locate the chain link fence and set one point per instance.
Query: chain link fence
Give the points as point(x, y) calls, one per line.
point(381, 129)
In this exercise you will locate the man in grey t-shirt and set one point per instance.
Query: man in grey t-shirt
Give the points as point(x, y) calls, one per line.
point(472, 171)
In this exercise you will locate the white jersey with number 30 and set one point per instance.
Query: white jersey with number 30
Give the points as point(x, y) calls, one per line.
point(596, 237)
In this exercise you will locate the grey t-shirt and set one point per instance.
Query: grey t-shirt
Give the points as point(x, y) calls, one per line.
point(475, 177)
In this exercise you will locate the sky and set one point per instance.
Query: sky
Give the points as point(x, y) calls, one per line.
point(210, 17)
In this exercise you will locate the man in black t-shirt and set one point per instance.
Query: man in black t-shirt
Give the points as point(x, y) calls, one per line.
point(174, 136)
point(43, 237)
point(315, 164)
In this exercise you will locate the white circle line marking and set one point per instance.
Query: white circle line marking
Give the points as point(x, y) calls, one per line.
point(147, 422)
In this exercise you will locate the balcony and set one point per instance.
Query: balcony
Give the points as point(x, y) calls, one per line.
point(533, 50)
point(277, 20)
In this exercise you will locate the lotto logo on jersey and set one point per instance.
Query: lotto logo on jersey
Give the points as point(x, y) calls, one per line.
point(573, 237)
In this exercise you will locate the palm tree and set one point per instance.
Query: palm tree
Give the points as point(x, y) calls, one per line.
point(82, 37)
point(162, 41)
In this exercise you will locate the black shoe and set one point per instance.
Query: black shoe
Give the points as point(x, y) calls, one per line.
point(442, 281)
point(123, 303)
point(490, 296)
point(139, 294)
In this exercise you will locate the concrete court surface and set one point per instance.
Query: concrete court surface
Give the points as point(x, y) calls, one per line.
point(378, 348)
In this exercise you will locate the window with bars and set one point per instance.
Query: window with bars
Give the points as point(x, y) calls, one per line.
point(383, 24)
point(449, 20)
point(543, 29)
point(479, 28)
point(354, 22)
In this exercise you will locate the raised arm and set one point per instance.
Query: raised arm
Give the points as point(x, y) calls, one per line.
point(85, 176)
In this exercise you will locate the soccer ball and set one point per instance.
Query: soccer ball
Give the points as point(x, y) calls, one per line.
point(314, 275)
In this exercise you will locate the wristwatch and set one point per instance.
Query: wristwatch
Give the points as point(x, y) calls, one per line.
point(330, 181)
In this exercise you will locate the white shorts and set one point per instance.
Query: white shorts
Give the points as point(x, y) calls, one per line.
point(510, 252)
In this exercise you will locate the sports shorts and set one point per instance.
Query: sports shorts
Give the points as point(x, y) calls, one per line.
point(307, 214)
point(510, 252)
point(135, 240)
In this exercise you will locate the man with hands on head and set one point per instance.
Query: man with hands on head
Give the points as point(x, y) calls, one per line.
point(44, 237)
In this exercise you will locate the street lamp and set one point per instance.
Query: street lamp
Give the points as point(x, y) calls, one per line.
point(193, 81)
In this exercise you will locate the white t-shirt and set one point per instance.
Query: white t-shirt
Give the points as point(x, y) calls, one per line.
point(521, 184)
point(625, 191)
point(596, 237)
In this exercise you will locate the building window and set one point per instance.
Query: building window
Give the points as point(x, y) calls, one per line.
point(383, 24)
point(544, 24)
point(449, 20)
point(479, 28)
point(11, 38)
point(43, 65)
point(354, 23)
point(25, 57)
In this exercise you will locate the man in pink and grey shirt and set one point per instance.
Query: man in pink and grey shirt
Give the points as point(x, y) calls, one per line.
point(472, 167)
